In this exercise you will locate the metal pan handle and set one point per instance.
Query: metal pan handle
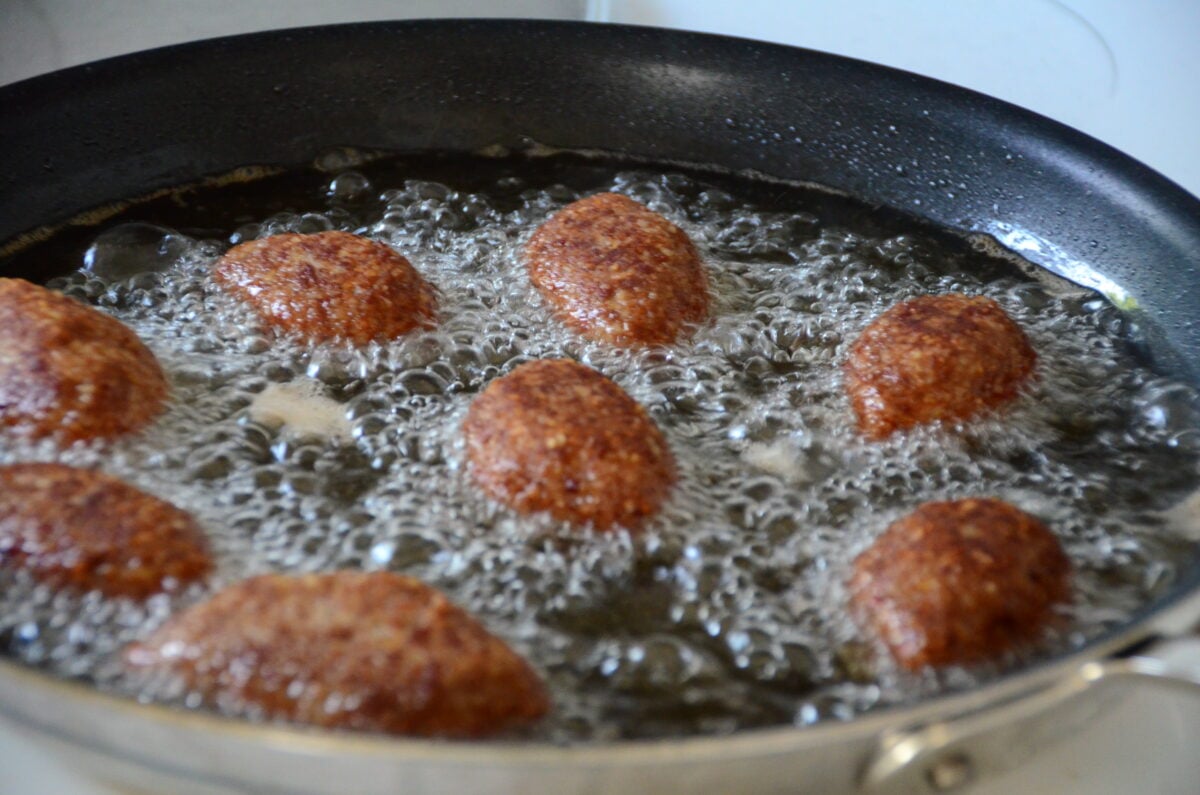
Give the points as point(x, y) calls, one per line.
point(949, 754)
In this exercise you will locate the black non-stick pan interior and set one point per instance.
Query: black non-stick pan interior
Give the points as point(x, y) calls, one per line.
point(121, 127)
point(125, 127)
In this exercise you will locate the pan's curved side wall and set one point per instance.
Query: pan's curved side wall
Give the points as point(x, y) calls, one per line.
point(105, 131)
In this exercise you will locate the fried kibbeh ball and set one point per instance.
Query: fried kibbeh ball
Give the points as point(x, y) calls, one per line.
point(936, 357)
point(84, 530)
point(328, 286)
point(71, 372)
point(347, 650)
point(618, 272)
point(556, 436)
point(962, 582)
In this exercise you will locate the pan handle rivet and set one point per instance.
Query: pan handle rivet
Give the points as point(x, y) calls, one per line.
point(950, 772)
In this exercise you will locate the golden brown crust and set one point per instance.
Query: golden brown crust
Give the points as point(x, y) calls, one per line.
point(348, 650)
point(960, 582)
point(86, 530)
point(618, 272)
point(936, 357)
point(556, 436)
point(71, 372)
point(329, 286)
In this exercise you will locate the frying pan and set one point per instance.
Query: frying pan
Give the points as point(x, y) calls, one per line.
point(124, 127)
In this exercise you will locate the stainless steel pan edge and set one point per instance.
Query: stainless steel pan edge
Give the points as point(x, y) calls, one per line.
point(910, 749)
point(123, 127)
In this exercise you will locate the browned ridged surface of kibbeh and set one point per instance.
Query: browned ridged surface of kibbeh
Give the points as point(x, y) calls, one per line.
point(556, 436)
point(328, 286)
point(618, 272)
point(936, 357)
point(956, 583)
point(71, 372)
point(85, 530)
point(348, 650)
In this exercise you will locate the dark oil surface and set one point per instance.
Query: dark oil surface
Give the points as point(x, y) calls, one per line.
point(728, 611)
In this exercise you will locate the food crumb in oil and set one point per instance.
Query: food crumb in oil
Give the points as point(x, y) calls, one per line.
point(301, 407)
point(780, 458)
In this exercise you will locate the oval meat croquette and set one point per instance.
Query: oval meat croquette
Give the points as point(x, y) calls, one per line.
point(71, 372)
point(618, 272)
point(959, 582)
point(328, 286)
point(348, 650)
point(556, 436)
point(86, 530)
point(936, 357)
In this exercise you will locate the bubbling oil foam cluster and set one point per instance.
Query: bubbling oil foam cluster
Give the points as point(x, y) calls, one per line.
point(728, 611)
